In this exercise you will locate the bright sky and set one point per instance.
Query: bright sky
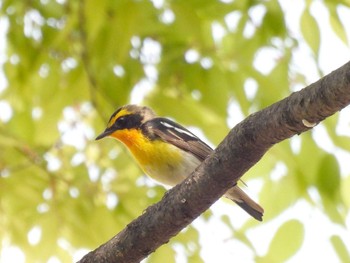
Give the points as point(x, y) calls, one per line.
point(217, 244)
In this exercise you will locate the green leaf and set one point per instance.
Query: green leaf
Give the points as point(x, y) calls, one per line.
point(336, 23)
point(310, 31)
point(283, 198)
point(345, 193)
point(341, 249)
point(328, 177)
point(162, 253)
point(273, 23)
point(286, 242)
point(307, 167)
point(333, 211)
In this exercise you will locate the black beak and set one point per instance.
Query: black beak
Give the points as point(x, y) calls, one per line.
point(104, 134)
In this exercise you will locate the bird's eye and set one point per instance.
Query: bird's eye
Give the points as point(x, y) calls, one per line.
point(121, 121)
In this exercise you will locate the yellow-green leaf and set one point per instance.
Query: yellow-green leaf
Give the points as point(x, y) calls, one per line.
point(286, 242)
point(345, 193)
point(328, 177)
point(310, 30)
point(336, 23)
point(341, 249)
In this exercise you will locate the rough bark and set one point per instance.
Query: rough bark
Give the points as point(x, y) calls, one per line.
point(239, 151)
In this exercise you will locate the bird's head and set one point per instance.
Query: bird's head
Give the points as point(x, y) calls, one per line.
point(126, 118)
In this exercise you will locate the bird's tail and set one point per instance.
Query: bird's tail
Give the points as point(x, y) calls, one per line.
point(237, 195)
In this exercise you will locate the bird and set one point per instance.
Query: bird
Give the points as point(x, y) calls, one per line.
point(165, 150)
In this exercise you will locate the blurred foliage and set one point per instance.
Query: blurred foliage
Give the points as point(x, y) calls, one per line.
point(277, 250)
point(69, 64)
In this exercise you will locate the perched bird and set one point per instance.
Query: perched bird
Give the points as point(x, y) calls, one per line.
point(165, 150)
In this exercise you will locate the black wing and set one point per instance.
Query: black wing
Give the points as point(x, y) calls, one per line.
point(177, 135)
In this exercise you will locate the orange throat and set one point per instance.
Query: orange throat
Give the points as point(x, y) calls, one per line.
point(131, 138)
point(140, 147)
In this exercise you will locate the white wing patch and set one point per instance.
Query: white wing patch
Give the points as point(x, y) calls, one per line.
point(168, 125)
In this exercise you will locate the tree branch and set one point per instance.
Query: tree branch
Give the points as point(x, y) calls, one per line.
point(241, 149)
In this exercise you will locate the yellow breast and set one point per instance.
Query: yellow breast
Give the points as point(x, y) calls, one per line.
point(163, 162)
